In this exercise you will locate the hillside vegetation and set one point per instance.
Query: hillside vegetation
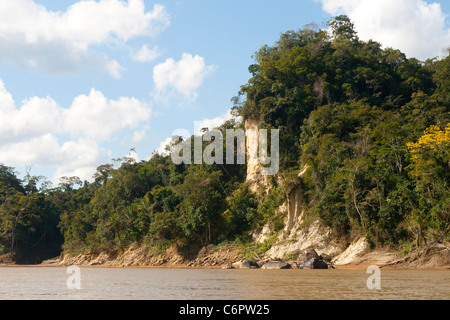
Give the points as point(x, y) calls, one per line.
point(371, 125)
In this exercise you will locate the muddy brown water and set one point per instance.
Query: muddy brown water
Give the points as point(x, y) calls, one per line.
point(50, 283)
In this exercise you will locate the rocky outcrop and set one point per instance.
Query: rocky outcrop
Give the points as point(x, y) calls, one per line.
point(302, 237)
point(295, 203)
point(262, 235)
point(353, 253)
point(254, 177)
point(301, 231)
point(295, 211)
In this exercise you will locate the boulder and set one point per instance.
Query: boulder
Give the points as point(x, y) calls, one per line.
point(314, 263)
point(325, 257)
point(306, 255)
point(261, 263)
point(246, 264)
point(310, 254)
point(276, 265)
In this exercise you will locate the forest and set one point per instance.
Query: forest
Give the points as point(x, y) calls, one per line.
point(371, 127)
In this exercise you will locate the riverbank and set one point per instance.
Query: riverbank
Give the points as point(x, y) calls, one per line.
point(230, 257)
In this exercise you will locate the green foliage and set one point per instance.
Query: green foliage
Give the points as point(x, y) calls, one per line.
point(242, 211)
point(292, 256)
point(346, 110)
point(28, 226)
point(369, 124)
point(254, 251)
point(307, 69)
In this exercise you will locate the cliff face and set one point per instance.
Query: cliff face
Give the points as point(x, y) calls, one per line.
point(254, 177)
point(299, 233)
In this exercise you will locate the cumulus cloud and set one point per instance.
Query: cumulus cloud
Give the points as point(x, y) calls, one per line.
point(415, 27)
point(84, 173)
point(212, 123)
point(35, 117)
point(97, 117)
point(161, 150)
point(181, 78)
point(207, 123)
point(58, 42)
point(32, 134)
point(90, 116)
point(47, 150)
point(146, 55)
point(138, 137)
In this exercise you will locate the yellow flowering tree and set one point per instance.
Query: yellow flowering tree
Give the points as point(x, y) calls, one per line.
point(430, 168)
point(431, 154)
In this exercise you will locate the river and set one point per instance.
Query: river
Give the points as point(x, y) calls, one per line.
point(51, 283)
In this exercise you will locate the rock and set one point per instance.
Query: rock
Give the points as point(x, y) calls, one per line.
point(310, 254)
point(101, 259)
point(228, 266)
point(261, 263)
point(249, 264)
point(325, 257)
point(246, 264)
point(303, 236)
point(306, 255)
point(352, 253)
point(7, 258)
point(276, 265)
point(314, 263)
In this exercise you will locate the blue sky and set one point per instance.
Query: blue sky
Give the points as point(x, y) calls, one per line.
point(84, 82)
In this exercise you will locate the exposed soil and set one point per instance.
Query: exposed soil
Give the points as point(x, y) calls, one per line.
point(229, 256)
point(436, 257)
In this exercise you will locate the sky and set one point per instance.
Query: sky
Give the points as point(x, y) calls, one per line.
point(85, 82)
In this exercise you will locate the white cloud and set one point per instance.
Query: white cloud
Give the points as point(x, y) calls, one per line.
point(97, 117)
point(146, 55)
point(47, 150)
point(84, 173)
point(198, 126)
point(90, 116)
point(36, 132)
point(414, 26)
point(212, 123)
point(6, 100)
point(183, 77)
point(138, 136)
point(58, 42)
point(133, 156)
point(35, 117)
point(162, 147)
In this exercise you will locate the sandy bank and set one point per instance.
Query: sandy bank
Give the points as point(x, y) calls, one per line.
point(437, 257)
